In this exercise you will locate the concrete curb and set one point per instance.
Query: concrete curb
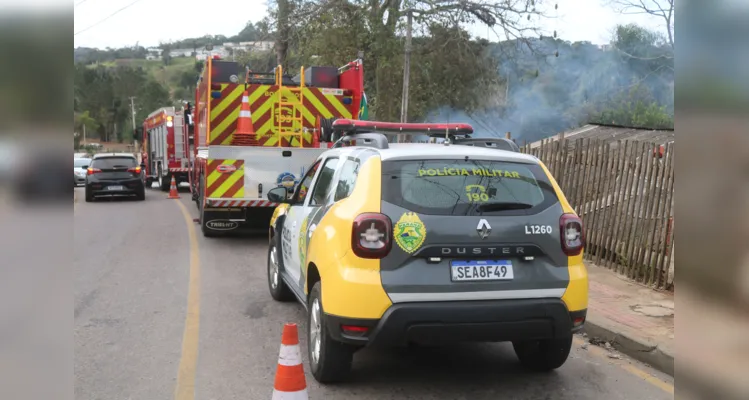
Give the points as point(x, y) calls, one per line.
point(638, 348)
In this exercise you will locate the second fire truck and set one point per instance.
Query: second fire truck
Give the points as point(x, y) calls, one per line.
point(290, 125)
point(163, 151)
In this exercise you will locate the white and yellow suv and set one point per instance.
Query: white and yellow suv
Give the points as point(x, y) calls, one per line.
point(391, 244)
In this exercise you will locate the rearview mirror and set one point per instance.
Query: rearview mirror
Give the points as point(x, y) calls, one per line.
point(278, 195)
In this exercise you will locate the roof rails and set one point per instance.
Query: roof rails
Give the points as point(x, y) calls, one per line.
point(371, 134)
point(354, 127)
point(490, 143)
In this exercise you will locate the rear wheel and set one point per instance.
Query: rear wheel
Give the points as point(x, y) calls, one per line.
point(203, 228)
point(330, 361)
point(89, 196)
point(163, 180)
point(141, 194)
point(543, 355)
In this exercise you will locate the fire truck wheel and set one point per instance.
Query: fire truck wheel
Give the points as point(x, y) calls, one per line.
point(164, 181)
point(207, 232)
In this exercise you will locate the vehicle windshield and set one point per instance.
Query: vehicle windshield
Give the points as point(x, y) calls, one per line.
point(113, 162)
point(81, 162)
point(467, 187)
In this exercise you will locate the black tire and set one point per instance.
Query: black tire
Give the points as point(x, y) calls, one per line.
point(141, 195)
point(203, 228)
point(281, 292)
point(334, 363)
point(89, 196)
point(326, 129)
point(164, 180)
point(543, 355)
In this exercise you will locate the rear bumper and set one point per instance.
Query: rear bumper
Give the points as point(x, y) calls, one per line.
point(461, 321)
point(129, 187)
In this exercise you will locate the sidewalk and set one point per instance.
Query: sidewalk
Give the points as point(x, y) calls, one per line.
point(637, 320)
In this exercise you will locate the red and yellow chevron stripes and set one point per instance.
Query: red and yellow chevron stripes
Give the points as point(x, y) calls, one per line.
point(224, 178)
point(265, 110)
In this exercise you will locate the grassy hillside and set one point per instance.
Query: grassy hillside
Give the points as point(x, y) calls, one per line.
point(168, 75)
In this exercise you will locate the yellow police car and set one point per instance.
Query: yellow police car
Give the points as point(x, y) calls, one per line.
point(391, 244)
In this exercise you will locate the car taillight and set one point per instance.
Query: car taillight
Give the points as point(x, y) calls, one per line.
point(135, 170)
point(371, 235)
point(91, 171)
point(572, 234)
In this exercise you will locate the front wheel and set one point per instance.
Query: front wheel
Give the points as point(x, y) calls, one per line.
point(543, 355)
point(330, 361)
point(278, 289)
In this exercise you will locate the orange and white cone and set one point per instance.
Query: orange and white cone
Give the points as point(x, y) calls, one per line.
point(173, 193)
point(245, 134)
point(290, 383)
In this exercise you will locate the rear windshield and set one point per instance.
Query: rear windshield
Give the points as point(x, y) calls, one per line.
point(113, 162)
point(467, 187)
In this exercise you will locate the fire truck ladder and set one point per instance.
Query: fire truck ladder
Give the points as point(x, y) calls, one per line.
point(296, 130)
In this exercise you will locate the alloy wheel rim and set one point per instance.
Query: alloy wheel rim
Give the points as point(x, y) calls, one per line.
point(314, 332)
point(274, 268)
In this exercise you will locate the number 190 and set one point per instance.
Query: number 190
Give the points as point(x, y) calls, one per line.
point(477, 196)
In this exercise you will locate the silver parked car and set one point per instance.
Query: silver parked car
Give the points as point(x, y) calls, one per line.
point(80, 166)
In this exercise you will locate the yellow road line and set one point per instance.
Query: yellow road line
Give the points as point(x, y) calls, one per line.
point(185, 389)
point(644, 375)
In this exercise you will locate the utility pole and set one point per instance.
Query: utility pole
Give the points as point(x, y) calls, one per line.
point(406, 73)
point(132, 109)
point(84, 135)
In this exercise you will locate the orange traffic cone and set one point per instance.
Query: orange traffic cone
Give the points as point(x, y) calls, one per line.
point(245, 134)
point(290, 383)
point(173, 193)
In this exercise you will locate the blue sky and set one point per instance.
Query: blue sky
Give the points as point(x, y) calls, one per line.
point(150, 22)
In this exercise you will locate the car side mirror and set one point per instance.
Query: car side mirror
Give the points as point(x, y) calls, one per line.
point(278, 195)
point(84, 166)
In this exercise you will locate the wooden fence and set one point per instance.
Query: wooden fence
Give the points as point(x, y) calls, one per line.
point(623, 191)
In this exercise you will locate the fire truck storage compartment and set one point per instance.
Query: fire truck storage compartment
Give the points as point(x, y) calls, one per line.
point(321, 77)
point(157, 144)
point(179, 141)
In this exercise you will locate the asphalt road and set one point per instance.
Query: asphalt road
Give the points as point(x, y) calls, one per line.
point(141, 306)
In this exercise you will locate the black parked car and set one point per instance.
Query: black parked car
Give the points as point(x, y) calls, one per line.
point(114, 175)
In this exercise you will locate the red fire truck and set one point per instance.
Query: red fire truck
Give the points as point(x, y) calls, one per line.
point(163, 149)
point(291, 120)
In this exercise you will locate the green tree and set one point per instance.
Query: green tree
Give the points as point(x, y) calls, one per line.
point(335, 31)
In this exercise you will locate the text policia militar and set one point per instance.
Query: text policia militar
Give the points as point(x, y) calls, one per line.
point(445, 171)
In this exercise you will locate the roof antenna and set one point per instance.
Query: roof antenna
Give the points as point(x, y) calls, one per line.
point(447, 136)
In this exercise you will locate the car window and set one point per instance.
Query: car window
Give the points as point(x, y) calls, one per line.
point(467, 187)
point(304, 184)
point(324, 182)
point(113, 162)
point(347, 179)
point(81, 162)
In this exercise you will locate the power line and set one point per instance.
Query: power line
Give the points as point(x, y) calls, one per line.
point(108, 17)
point(80, 2)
